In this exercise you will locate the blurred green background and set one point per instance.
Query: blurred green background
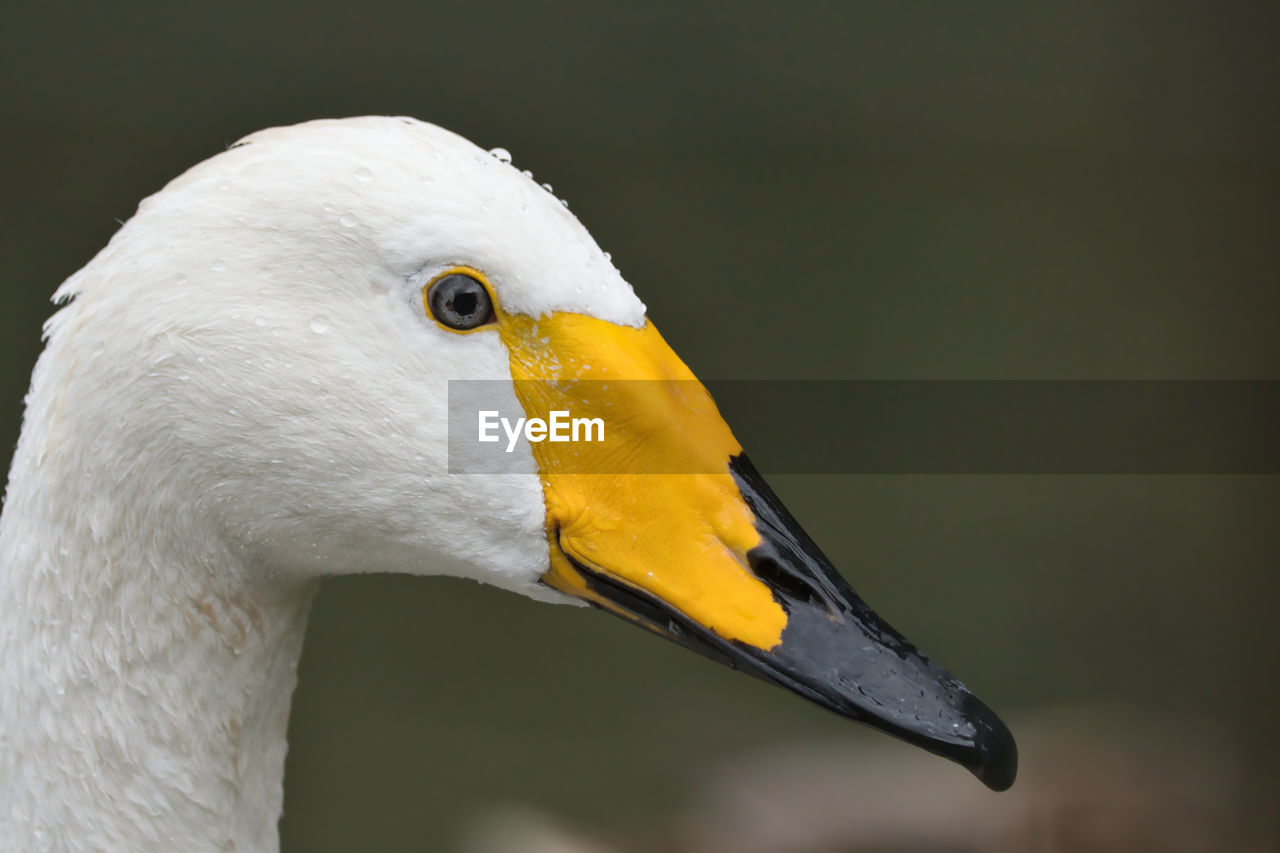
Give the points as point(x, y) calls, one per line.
point(811, 190)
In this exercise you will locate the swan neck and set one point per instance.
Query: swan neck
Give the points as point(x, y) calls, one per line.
point(146, 674)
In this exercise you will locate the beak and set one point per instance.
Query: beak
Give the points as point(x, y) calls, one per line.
point(699, 550)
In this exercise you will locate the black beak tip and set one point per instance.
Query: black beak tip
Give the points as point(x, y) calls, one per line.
point(996, 764)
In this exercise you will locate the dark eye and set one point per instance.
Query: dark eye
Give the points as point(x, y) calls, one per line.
point(460, 302)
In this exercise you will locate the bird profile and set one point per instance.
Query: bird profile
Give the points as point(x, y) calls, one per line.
point(274, 373)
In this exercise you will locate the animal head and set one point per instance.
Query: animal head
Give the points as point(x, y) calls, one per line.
point(272, 343)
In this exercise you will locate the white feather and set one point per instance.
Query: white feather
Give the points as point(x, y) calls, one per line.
point(243, 394)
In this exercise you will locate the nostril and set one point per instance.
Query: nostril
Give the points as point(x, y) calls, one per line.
point(786, 582)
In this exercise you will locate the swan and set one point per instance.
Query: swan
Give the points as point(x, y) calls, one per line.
point(249, 388)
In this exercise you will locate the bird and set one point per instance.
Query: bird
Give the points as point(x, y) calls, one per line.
point(270, 375)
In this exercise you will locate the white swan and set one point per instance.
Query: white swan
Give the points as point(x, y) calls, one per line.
point(247, 391)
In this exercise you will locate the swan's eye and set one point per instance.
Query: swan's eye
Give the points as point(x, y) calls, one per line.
point(459, 301)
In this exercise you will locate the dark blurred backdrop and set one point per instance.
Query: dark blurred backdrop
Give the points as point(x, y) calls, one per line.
point(813, 190)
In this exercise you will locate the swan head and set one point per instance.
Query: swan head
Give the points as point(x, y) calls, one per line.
point(289, 342)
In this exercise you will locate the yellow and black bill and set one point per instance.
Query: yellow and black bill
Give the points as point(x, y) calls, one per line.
point(666, 523)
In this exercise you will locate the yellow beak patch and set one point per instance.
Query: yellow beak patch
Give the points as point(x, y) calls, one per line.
point(653, 506)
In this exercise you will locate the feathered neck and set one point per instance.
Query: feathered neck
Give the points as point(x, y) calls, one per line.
point(146, 669)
